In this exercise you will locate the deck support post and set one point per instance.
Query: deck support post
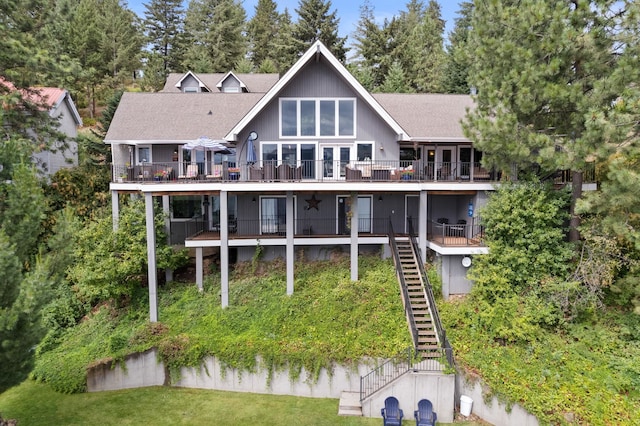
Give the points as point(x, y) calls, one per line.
point(115, 210)
point(224, 248)
point(290, 252)
point(168, 273)
point(151, 258)
point(199, 269)
point(422, 225)
point(354, 236)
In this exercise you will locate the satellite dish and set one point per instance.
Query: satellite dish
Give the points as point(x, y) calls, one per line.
point(466, 261)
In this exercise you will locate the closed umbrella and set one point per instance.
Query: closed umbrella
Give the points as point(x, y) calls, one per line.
point(251, 151)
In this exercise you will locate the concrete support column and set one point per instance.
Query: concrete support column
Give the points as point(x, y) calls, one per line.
point(168, 273)
point(151, 258)
point(199, 269)
point(445, 273)
point(290, 252)
point(422, 225)
point(354, 236)
point(115, 210)
point(224, 248)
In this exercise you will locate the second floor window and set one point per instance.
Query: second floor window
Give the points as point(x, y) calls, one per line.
point(317, 117)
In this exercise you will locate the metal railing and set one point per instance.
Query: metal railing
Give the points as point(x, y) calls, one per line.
point(461, 233)
point(303, 170)
point(403, 286)
point(399, 365)
point(435, 316)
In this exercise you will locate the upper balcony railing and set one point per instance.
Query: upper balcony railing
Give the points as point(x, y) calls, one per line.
point(319, 171)
point(305, 170)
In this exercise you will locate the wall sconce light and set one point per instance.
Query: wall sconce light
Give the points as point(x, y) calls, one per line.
point(253, 200)
point(380, 198)
point(381, 148)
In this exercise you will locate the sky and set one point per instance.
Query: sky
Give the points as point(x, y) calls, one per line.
point(348, 11)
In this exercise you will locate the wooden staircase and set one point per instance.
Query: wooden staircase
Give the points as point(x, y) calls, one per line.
point(428, 344)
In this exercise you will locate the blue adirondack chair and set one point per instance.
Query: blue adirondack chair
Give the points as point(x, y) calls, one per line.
point(391, 413)
point(425, 416)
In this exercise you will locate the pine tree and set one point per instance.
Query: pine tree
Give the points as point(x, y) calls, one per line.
point(262, 31)
point(315, 22)
point(164, 25)
point(286, 51)
point(396, 81)
point(215, 35)
point(427, 48)
point(455, 79)
point(543, 71)
point(371, 47)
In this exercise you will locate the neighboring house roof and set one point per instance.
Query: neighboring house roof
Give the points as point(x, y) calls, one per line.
point(428, 117)
point(177, 117)
point(316, 49)
point(54, 98)
point(254, 83)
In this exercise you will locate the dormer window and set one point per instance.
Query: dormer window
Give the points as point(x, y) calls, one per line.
point(317, 117)
point(190, 90)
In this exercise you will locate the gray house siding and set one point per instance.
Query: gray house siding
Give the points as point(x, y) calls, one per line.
point(60, 156)
point(319, 80)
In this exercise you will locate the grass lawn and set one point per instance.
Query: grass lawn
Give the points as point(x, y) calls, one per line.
point(34, 404)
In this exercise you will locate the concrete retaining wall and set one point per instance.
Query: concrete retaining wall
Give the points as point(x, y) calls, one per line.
point(139, 370)
point(211, 376)
point(412, 387)
point(145, 369)
point(492, 411)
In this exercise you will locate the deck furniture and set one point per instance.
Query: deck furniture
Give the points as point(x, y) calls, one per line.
point(392, 413)
point(424, 415)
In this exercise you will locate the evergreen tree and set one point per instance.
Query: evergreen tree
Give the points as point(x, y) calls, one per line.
point(121, 40)
point(315, 22)
point(215, 33)
point(427, 50)
point(371, 47)
point(396, 81)
point(262, 31)
point(286, 52)
point(544, 72)
point(455, 79)
point(164, 25)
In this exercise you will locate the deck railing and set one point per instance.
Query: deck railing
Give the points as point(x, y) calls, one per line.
point(304, 170)
point(461, 233)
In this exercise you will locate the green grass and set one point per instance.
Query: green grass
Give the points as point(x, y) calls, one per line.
point(587, 372)
point(34, 404)
point(328, 320)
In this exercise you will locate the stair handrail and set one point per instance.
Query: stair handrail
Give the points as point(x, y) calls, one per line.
point(435, 317)
point(380, 377)
point(403, 286)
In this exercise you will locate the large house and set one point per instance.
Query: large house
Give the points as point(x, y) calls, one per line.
point(310, 160)
point(61, 108)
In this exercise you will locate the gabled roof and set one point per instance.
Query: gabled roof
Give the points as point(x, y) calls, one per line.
point(230, 74)
point(254, 83)
point(316, 49)
point(201, 85)
point(428, 117)
point(51, 97)
point(176, 117)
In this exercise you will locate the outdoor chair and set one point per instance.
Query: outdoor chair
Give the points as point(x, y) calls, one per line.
point(353, 174)
point(255, 173)
point(392, 413)
point(424, 415)
point(192, 172)
point(216, 172)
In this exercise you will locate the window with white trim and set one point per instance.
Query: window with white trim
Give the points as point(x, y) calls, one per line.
point(318, 117)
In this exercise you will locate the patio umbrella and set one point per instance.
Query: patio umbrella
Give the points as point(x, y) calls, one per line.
point(208, 144)
point(251, 149)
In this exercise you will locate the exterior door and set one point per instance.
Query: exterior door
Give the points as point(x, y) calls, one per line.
point(445, 164)
point(335, 159)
